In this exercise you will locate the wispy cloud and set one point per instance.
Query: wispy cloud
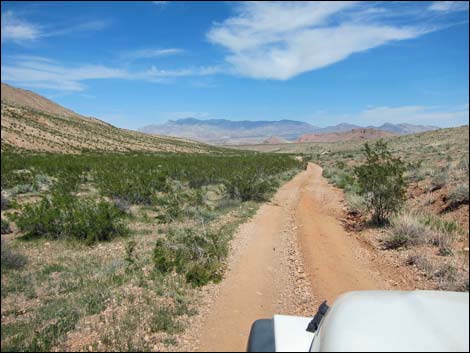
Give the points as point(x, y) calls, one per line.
point(417, 114)
point(148, 53)
point(42, 74)
point(279, 40)
point(15, 29)
point(39, 72)
point(19, 30)
point(160, 3)
point(88, 26)
point(412, 114)
point(449, 6)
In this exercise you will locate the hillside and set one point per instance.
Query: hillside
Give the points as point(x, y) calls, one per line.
point(32, 122)
point(352, 135)
point(227, 132)
point(22, 98)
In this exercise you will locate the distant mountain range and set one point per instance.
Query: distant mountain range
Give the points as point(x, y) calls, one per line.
point(227, 132)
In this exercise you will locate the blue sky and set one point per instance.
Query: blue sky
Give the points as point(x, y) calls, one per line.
point(138, 63)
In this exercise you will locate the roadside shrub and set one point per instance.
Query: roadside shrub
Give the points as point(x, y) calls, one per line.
point(64, 216)
point(246, 187)
point(136, 186)
point(443, 233)
point(459, 195)
point(422, 264)
point(446, 272)
point(381, 181)
point(11, 260)
point(406, 230)
point(177, 202)
point(5, 227)
point(356, 203)
point(439, 224)
point(198, 256)
point(327, 173)
point(342, 179)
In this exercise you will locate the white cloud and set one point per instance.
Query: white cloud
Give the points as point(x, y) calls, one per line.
point(160, 3)
point(18, 30)
point(151, 53)
point(15, 29)
point(38, 72)
point(279, 40)
point(415, 114)
point(449, 6)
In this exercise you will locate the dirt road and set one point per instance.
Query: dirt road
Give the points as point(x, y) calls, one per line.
point(299, 228)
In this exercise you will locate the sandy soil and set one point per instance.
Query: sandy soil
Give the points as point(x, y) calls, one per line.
point(292, 255)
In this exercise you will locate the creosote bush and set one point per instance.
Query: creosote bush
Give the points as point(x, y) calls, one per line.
point(198, 255)
point(66, 217)
point(381, 181)
point(247, 187)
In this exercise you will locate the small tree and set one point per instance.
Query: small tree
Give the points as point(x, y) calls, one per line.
point(381, 181)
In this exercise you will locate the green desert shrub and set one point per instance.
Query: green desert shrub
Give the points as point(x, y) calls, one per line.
point(250, 187)
point(66, 217)
point(343, 179)
point(327, 173)
point(439, 224)
point(10, 259)
point(356, 203)
point(177, 202)
point(198, 255)
point(381, 181)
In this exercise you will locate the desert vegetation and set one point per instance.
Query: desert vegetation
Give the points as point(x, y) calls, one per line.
point(429, 232)
point(429, 229)
point(106, 251)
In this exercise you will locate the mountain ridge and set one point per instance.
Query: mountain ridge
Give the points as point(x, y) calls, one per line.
point(232, 132)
